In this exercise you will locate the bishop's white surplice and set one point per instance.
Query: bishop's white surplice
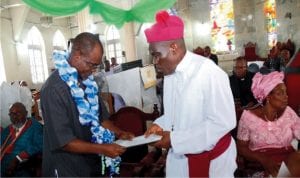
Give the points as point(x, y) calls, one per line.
point(199, 108)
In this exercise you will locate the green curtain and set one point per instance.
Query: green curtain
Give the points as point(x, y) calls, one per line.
point(143, 11)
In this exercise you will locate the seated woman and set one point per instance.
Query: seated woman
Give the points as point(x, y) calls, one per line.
point(265, 133)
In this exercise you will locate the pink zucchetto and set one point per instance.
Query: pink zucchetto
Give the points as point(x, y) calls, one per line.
point(167, 27)
point(262, 85)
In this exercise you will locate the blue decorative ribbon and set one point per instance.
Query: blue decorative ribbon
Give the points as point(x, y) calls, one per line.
point(88, 109)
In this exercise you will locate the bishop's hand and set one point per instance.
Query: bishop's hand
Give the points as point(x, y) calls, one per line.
point(153, 129)
point(165, 141)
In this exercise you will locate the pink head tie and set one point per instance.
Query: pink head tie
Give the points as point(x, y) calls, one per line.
point(167, 27)
point(262, 85)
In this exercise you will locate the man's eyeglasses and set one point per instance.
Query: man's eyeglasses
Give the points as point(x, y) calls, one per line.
point(91, 65)
point(14, 114)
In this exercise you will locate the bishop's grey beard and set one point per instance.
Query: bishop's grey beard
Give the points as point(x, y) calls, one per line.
point(18, 124)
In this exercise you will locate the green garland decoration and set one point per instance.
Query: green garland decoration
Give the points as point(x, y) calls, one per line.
point(143, 11)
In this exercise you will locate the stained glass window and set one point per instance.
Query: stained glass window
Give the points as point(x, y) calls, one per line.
point(271, 23)
point(222, 19)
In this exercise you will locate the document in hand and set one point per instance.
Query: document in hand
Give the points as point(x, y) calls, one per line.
point(140, 140)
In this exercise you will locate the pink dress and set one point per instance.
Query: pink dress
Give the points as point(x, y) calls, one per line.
point(265, 134)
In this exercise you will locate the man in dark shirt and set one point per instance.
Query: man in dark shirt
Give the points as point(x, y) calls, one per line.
point(240, 83)
point(274, 61)
point(68, 150)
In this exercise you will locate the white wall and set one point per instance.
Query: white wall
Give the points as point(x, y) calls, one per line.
point(15, 55)
point(2, 70)
point(289, 28)
point(10, 60)
point(142, 45)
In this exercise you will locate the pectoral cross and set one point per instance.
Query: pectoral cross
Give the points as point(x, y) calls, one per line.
point(16, 131)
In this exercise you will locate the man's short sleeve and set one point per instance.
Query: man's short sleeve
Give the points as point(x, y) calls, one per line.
point(58, 117)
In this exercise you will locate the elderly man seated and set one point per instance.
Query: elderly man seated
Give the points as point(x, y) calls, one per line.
point(20, 141)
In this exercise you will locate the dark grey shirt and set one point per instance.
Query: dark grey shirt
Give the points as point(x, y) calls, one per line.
point(241, 88)
point(61, 126)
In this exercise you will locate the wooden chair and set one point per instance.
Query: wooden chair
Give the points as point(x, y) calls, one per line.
point(250, 52)
point(292, 78)
point(136, 161)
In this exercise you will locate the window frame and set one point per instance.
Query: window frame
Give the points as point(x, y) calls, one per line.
point(113, 44)
point(37, 56)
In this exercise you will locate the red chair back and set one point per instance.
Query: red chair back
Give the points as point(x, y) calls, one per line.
point(292, 81)
point(250, 52)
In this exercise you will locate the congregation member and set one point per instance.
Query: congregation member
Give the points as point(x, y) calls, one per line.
point(21, 141)
point(107, 68)
point(106, 65)
point(77, 132)
point(273, 62)
point(199, 51)
point(208, 54)
point(113, 61)
point(265, 133)
point(198, 106)
point(240, 83)
point(11, 93)
point(285, 57)
point(280, 56)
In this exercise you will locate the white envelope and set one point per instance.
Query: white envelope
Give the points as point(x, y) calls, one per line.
point(140, 140)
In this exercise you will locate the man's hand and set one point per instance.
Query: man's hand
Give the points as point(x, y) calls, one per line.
point(119, 132)
point(165, 141)
point(270, 166)
point(113, 150)
point(12, 167)
point(154, 129)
